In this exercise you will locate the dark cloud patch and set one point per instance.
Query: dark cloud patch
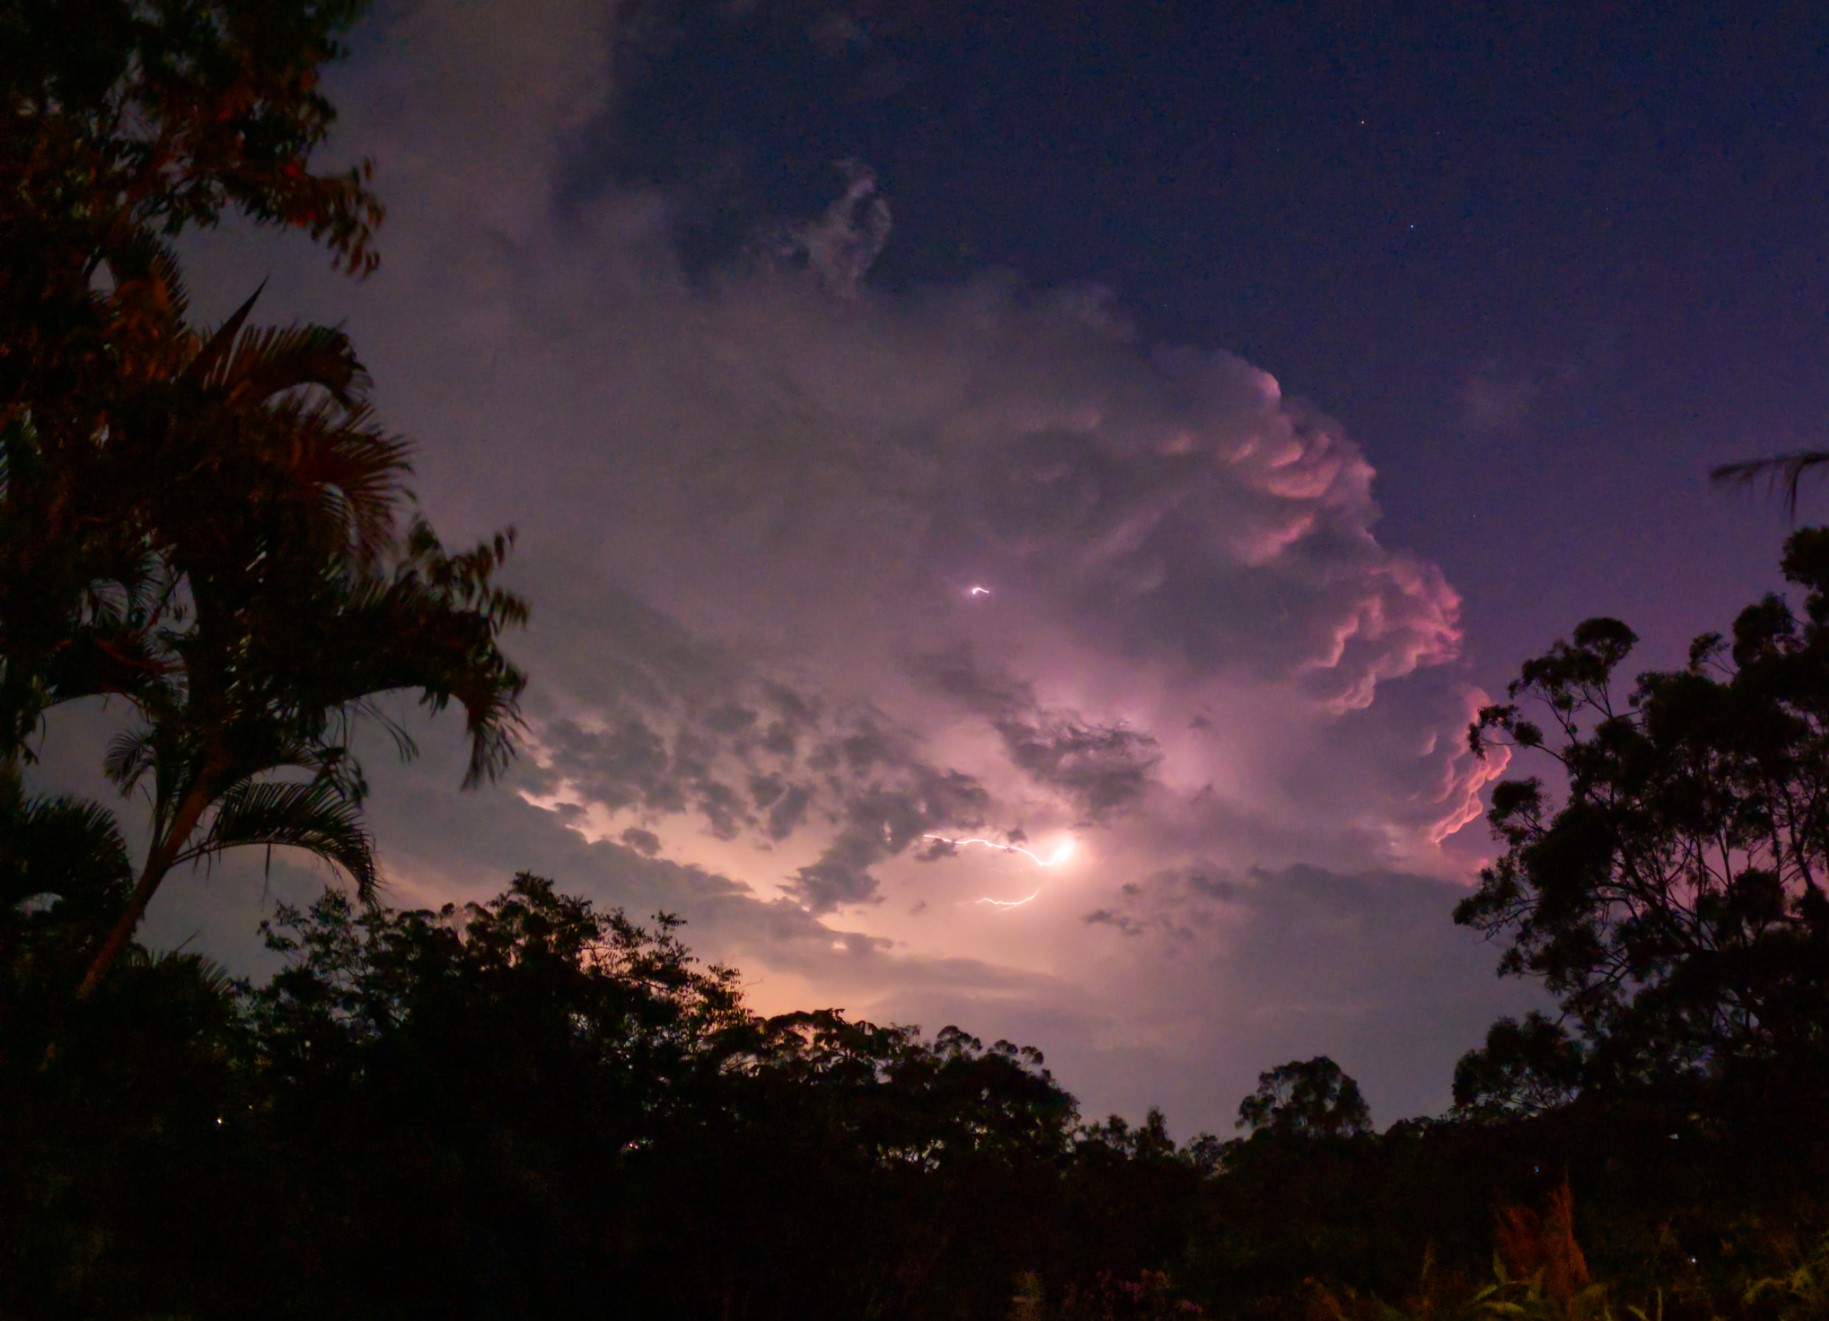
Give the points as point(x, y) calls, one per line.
point(665, 725)
point(840, 876)
point(858, 751)
point(954, 673)
point(1202, 893)
point(628, 765)
point(730, 720)
point(644, 842)
point(858, 773)
point(725, 815)
point(1103, 769)
point(1173, 901)
point(880, 823)
point(785, 804)
point(788, 811)
point(1123, 922)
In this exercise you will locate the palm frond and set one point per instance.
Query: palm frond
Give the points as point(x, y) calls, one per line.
point(209, 976)
point(148, 278)
point(316, 817)
point(350, 472)
point(218, 345)
point(367, 708)
point(334, 764)
point(63, 845)
point(130, 755)
point(269, 361)
point(1782, 474)
point(442, 616)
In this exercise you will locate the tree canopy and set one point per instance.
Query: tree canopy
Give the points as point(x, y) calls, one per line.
point(1667, 885)
point(1308, 1099)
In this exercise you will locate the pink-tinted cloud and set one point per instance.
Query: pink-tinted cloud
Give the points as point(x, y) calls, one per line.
point(752, 508)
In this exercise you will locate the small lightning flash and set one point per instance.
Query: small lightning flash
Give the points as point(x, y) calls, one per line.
point(1059, 856)
point(1008, 903)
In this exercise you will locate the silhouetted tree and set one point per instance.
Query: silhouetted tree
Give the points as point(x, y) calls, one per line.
point(160, 116)
point(208, 525)
point(1305, 1098)
point(1671, 896)
point(1524, 1068)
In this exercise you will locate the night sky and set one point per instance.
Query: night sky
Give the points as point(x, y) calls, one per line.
point(1285, 375)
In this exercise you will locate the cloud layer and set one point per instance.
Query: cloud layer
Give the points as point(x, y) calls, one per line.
point(820, 570)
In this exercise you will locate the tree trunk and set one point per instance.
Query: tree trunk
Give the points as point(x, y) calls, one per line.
point(158, 863)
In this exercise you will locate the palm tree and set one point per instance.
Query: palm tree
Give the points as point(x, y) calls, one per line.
point(211, 735)
point(234, 517)
point(209, 527)
point(161, 449)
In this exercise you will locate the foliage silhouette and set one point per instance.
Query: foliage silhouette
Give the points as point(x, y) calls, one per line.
point(166, 115)
point(1305, 1099)
point(1525, 1068)
point(1672, 899)
point(1783, 475)
point(210, 526)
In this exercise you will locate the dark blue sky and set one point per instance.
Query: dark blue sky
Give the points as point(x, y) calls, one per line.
point(1609, 218)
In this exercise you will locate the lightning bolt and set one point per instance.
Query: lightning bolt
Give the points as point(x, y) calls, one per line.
point(1064, 852)
point(1060, 855)
point(979, 591)
point(1008, 903)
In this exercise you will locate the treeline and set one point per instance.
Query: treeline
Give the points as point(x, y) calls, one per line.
point(533, 1108)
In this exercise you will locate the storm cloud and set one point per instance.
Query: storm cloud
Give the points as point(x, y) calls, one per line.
point(756, 490)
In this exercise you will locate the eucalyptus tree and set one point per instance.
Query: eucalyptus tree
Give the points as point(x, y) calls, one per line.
point(1305, 1098)
point(1667, 881)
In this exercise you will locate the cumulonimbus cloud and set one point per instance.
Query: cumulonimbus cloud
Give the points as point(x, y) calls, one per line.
point(753, 499)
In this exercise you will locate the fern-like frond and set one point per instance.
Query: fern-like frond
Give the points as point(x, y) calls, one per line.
point(316, 817)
